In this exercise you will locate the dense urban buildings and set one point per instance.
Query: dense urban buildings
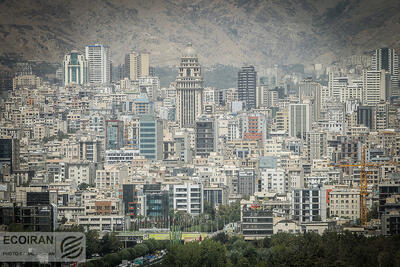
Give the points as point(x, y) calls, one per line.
point(309, 150)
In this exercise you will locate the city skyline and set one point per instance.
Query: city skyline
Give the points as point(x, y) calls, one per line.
point(236, 133)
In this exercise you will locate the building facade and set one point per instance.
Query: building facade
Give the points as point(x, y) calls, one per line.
point(75, 69)
point(247, 82)
point(99, 60)
point(189, 89)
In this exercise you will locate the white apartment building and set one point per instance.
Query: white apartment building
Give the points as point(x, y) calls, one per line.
point(150, 85)
point(337, 84)
point(353, 90)
point(71, 213)
point(99, 60)
point(96, 123)
point(124, 155)
point(273, 180)
point(104, 223)
point(81, 172)
point(187, 197)
point(234, 130)
point(75, 68)
point(111, 177)
point(375, 83)
point(299, 120)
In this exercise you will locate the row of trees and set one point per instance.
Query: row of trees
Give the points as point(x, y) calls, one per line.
point(330, 249)
point(210, 221)
point(113, 259)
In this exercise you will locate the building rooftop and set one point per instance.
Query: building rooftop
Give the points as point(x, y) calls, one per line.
point(189, 51)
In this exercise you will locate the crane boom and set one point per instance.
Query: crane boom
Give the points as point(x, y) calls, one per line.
point(364, 181)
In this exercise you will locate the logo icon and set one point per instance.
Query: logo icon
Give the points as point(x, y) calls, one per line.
point(71, 247)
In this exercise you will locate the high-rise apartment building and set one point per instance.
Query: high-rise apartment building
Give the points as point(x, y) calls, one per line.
point(376, 84)
point(187, 197)
point(99, 60)
point(9, 155)
point(129, 200)
point(189, 88)
point(317, 144)
point(206, 136)
point(310, 91)
point(137, 65)
point(247, 80)
point(382, 116)
point(387, 59)
point(309, 204)
point(156, 203)
point(365, 116)
point(299, 120)
point(75, 68)
point(114, 134)
point(150, 137)
point(144, 64)
point(336, 84)
point(353, 91)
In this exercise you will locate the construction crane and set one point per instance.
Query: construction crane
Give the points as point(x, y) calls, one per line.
point(364, 181)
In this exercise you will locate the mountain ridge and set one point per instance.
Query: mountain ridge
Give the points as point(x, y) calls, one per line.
point(228, 32)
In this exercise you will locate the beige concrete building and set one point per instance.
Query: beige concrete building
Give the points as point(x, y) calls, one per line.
point(344, 203)
point(26, 81)
point(137, 65)
point(189, 88)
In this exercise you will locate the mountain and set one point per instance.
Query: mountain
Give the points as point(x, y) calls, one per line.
point(228, 32)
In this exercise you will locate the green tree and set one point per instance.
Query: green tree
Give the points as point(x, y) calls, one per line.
point(209, 209)
point(373, 213)
point(109, 243)
point(125, 254)
point(112, 259)
point(63, 220)
point(221, 237)
point(140, 250)
point(266, 243)
point(183, 255)
point(213, 253)
point(92, 243)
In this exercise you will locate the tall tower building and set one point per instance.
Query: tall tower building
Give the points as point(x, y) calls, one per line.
point(299, 120)
point(75, 68)
point(310, 91)
point(150, 137)
point(206, 136)
point(336, 84)
point(137, 65)
point(144, 64)
point(114, 134)
point(376, 84)
point(189, 89)
point(247, 80)
point(387, 59)
point(98, 57)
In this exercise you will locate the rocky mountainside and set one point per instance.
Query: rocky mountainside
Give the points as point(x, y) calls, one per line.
point(229, 32)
